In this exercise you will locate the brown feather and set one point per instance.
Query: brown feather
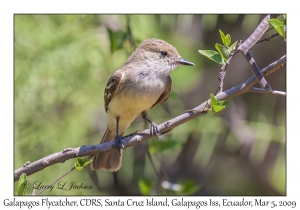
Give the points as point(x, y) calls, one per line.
point(112, 87)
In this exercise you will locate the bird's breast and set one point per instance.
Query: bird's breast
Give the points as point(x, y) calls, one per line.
point(145, 82)
point(137, 96)
point(137, 93)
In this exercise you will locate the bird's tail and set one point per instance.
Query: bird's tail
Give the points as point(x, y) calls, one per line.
point(108, 161)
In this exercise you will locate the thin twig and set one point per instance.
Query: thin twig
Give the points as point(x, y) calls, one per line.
point(261, 90)
point(256, 35)
point(158, 176)
point(256, 71)
point(223, 69)
point(59, 178)
point(131, 140)
point(267, 38)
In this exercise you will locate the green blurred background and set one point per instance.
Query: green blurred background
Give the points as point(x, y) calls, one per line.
point(62, 63)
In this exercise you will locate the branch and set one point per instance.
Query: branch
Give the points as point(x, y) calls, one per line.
point(267, 39)
point(223, 69)
point(256, 35)
point(244, 48)
point(136, 138)
point(248, 44)
point(261, 90)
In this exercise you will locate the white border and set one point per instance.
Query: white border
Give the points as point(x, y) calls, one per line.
point(8, 8)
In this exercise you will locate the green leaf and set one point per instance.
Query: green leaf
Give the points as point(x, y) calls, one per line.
point(212, 55)
point(284, 20)
point(145, 186)
point(22, 184)
point(228, 40)
point(189, 188)
point(279, 26)
point(281, 31)
point(213, 100)
point(223, 37)
point(217, 106)
point(275, 23)
point(159, 146)
point(220, 106)
point(222, 50)
point(232, 46)
point(80, 163)
point(223, 103)
point(116, 39)
point(86, 162)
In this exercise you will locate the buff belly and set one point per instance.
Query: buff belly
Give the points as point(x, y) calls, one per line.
point(128, 107)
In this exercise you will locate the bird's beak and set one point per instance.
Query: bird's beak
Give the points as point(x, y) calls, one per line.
point(184, 62)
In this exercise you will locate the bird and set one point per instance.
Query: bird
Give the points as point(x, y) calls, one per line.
point(141, 83)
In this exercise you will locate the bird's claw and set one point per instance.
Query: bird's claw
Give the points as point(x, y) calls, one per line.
point(118, 145)
point(154, 130)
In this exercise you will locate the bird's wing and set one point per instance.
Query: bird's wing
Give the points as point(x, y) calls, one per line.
point(165, 95)
point(112, 86)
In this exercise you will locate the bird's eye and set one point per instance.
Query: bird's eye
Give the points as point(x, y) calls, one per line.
point(163, 53)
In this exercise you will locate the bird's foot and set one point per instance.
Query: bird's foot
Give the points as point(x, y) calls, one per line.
point(118, 145)
point(154, 130)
